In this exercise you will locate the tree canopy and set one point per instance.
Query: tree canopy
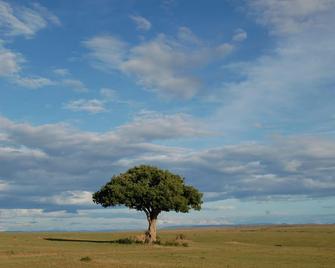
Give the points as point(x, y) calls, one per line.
point(149, 189)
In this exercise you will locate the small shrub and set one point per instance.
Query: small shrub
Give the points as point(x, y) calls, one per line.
point(11, 252)
point(171, 243)
point(180, 237)
point(184, 244)
point(86, 259)
point(125, 241)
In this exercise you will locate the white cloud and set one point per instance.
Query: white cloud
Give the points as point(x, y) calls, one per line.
point(22, 151)
point(163, 65)
point(10, 62)
point(70, 198)
point(32, 82)
point(255, 169)
point(13, 213)
point(240, 35)
point(26, 21)
point(141, 23)
point(4, 185)
point(156, 65)
point(70, 159)
point(3, 137)
point(108, 94)
point(230, 211)
point(186, 35)
point(35, 219)
point(283, 81)
point(292, 165)
point(218, 206)
point(18, 20)
point(106, 51)
point(47, 14)
point(151, 126)
point(291, 16)
point(11, 67)
point(190, 219)
point(168, 5)
point(316, 184)
point(75, 84)
point(61, 72)
point(224, 49)
point(92, 106)
point(60, 140)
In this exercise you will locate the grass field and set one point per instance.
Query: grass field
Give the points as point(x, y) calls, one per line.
point(270, 246)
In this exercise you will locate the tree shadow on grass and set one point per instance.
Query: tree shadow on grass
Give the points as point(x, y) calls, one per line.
point(117, 241)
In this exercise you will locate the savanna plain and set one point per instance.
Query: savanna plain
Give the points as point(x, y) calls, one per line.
point(262, 246)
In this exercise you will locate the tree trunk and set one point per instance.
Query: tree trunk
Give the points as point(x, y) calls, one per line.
point(151, 233)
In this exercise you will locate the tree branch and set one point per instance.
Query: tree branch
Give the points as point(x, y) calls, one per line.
point(147, 212)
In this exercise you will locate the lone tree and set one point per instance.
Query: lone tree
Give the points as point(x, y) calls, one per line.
point(152, 190)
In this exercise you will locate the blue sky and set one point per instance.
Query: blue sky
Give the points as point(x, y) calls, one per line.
point(237, 96)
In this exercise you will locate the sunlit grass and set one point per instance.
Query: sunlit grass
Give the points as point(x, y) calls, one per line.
point(290, 246)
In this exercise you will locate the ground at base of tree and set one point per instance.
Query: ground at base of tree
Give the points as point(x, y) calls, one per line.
point(263, 246)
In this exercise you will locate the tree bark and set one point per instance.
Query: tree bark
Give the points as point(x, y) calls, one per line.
point(151, 233)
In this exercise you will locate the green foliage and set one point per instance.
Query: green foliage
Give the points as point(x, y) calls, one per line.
point(125, 241)
point(149, 189)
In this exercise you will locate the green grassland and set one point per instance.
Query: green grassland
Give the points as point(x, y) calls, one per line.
point(265, 246)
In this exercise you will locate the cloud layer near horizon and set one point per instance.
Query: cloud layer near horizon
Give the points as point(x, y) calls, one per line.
point(60, 161)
